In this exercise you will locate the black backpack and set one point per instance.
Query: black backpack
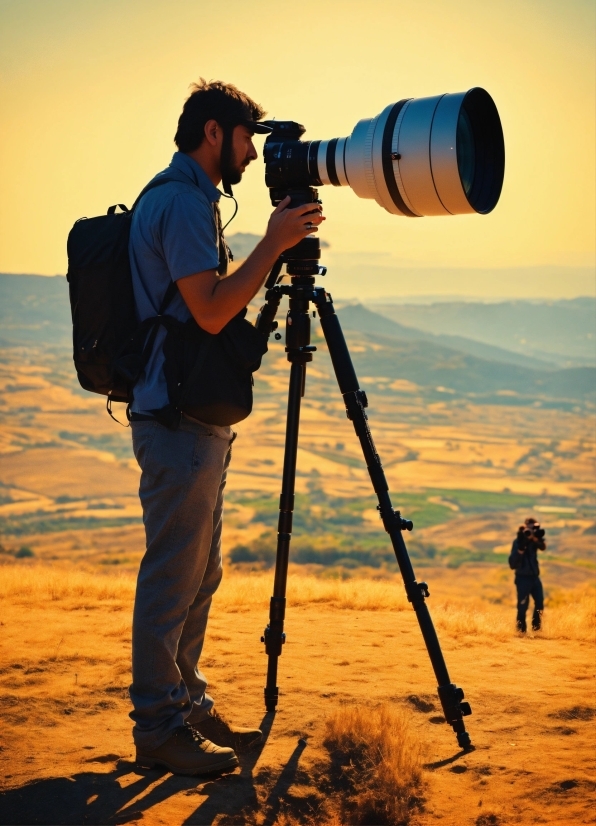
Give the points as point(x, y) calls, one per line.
point(102, 303)
point(208, 376)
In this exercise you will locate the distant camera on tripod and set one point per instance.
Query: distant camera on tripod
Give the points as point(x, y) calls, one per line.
point(441, 155)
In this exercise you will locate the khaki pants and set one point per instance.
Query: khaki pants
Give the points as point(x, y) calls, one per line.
point(183, 475)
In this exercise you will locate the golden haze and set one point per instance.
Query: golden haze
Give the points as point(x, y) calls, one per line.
point(91, 94)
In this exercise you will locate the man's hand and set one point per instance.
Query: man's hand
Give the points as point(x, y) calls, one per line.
point(287, 227)
point(213, 301)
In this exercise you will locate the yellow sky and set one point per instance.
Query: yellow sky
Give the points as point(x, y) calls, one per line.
point(91, 91)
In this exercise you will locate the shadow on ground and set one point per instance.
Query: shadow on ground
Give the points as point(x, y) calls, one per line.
point(127, 793)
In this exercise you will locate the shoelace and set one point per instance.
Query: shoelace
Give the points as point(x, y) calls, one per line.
point(195, 733)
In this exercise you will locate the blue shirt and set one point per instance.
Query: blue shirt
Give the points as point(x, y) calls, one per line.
point(173, 234)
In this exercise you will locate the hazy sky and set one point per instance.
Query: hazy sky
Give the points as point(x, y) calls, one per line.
point(91, 91)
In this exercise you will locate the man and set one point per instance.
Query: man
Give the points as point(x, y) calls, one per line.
point(175, 236)
point(524, 561)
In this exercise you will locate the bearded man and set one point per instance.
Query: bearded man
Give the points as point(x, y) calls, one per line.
point(176, 238)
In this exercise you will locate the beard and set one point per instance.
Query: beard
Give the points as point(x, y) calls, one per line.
point(235, 172)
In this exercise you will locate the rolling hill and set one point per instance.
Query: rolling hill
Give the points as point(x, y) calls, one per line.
point(563, 332)
point(34, 311)
point(385, 348)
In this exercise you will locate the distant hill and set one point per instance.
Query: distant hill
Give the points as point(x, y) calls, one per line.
point(35, 311)
point(563, 332)
point(391, 350)
point(356, 316)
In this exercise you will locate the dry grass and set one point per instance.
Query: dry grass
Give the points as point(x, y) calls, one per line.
point(245, 591)
point(239, 592)
point(373, 774)
point(376, 766)
point(572, 617)
point(64, 674)
point(41, 582)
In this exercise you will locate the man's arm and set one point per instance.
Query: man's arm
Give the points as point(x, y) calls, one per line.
point(214, 300)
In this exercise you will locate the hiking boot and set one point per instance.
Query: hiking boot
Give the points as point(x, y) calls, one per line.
point(188, 752)
point(214, 727)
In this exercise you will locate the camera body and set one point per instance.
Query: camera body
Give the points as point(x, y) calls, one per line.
point(528, 535)
point(287, 172)
point(288, 163)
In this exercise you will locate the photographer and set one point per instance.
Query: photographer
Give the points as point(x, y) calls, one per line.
point(176, 237)
point(524, 561)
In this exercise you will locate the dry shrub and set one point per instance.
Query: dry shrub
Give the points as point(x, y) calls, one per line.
point(376, 767)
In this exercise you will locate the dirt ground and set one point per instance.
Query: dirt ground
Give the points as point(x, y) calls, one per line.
point(66, 754)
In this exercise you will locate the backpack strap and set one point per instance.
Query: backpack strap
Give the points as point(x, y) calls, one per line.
point(225, 253)
point(169, 295)
point(156, 322)
point(166, 179)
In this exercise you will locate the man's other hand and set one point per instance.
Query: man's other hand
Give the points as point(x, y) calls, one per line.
point(287, 227)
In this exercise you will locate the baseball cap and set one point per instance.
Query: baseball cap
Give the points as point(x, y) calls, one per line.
point(256, 127)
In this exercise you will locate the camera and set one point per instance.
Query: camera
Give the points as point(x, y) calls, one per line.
point(442, 155)
point(526, 533)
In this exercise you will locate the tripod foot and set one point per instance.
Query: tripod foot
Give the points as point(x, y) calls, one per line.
point(463, 740)
point(271, 698)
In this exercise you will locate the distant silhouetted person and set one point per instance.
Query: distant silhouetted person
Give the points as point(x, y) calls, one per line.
point(524, 561)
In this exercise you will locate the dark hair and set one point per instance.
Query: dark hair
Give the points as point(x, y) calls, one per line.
point(213, 100)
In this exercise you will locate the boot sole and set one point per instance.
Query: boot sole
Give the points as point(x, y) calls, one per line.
point(151, 763)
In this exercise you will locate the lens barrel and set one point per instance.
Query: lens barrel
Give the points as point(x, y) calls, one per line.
point(442, 155)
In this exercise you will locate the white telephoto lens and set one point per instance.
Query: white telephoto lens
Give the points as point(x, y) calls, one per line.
point(441, 155)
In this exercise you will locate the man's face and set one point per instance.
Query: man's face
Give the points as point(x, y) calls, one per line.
point(243, 152)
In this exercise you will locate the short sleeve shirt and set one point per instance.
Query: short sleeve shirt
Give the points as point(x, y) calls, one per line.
point(173, 234)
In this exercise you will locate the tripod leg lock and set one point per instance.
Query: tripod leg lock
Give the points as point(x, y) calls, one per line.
point(417, 592)
point(273, 640)
point(274, 636)
point(455, 709)
point(395, 520)
point(355, 403)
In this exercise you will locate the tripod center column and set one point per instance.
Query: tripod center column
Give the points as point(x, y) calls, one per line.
point(298, 320)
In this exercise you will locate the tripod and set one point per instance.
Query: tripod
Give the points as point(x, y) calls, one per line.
point(303, 292)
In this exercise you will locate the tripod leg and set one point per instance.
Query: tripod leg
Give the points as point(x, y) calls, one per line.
point(355, 400)
point(274, 636)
